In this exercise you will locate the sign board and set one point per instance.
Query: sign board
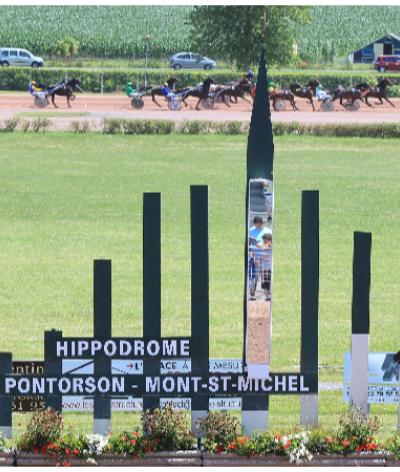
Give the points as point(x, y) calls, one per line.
point(30, 403)
point(383, 378)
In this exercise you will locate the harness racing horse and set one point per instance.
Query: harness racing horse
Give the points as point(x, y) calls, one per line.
point(159, 90)
point(350, 95)
point(65, 90)
point(308, 91)
point(237, 90)
point(285, 94)
point(379, 92)
point(201, 92)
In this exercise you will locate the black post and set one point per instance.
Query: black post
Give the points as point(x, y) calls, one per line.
point(309, 301)
point(361, 283)
point(151, 283)
point(102, 330)
point(360, 321)
point(52, 366)
point(6, 401)
point(309, 282)
point(199, 293)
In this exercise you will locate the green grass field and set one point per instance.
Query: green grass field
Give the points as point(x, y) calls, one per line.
point(66, 200)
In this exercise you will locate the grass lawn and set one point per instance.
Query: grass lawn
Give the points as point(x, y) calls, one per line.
point(66, 200)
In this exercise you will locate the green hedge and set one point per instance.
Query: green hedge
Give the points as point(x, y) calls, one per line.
point(13, 78)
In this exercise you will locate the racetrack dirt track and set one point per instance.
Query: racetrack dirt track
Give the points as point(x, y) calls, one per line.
point(97, 107)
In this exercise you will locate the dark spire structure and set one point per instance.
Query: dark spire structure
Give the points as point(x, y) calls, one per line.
point(260, 146)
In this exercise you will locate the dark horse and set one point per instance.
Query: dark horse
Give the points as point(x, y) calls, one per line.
point(285, 94)
point(65, 90)
point(201, 92)
point(237, 90)
point(308, 91)
point(350, 95)
point(159, 90)
point(379, 92)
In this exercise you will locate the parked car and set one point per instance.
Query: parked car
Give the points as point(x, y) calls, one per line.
point(383, 63)
point(19, 57)
point(190, 60)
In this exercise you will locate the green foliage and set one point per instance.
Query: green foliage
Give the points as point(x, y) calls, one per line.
point(101, 31)
point(129, 442)
point(11, 124)
point(393, 445)
point(40, 124)
point(80, 126)
point(167, 429)
point(237, 32)
point(44, 427)
point(67, 47)
point(357, 427)
point(220, 430)
point(18, 78)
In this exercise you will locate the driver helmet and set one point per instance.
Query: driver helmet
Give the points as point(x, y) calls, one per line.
point(250, 74)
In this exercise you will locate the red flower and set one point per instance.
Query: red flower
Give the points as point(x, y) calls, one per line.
point(133, 442)
point(53, 455)
point(77, 452)
point(328, 439)
point(346, 443)
point(136, 433)
point(35, 450)
point(287, 444)
point(243, 439)
point(219, 449)
point(66, 464)
point(231, 446)
point(278, 437)
point(44, 449)
point(68, 451)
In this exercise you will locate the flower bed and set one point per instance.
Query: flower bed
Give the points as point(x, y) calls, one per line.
point(167, 441)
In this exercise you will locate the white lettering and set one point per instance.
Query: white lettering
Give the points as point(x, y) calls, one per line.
point(280, 384)
point(292, 383)
point(302, 387)
point(118, 385)
point(125, 348)
point(139, 348)
point(153, 348)
point(95, 346)
point(103, 384)
point(183, 384)
point(168, 384)
point(82, 347)
point(184, 347)
point(64, 385)
point(110, 348)
point(213, 384)
point(152, 384)
point(169, 348)
point(62, 348)
point(38, 385)
point(10, 384)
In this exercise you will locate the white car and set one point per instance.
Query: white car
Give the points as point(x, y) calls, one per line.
point(190, 60)
point(19, 57)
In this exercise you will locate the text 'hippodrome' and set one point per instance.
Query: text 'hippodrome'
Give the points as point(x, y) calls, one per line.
point(123, 348)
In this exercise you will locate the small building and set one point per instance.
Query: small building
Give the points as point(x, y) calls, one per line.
point(387, 45)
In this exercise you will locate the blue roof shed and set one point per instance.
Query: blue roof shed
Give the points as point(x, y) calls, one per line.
point(387, 45)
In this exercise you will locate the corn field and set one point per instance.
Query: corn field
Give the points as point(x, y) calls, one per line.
point(121, 31)
point(336, 31)
point(102, 31)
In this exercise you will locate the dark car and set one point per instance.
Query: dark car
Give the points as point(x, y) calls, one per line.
point(384, 63)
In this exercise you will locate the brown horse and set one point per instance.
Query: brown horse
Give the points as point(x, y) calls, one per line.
point(379, 92)
point(308, 91)
point(159, 90)
point(285, 94)
point(350, 95)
